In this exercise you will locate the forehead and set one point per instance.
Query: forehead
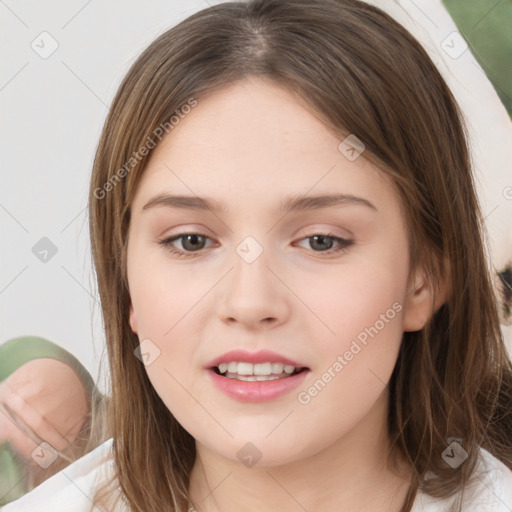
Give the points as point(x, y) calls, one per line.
point(254, 139)
point(233, 123)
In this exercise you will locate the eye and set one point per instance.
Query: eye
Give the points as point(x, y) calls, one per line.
point(193, 244)
point(192, 241)
point(320, 240)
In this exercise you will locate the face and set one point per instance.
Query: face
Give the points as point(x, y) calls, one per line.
point(325, 287)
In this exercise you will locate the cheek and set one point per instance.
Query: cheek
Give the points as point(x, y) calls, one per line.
point(166, 301)
point(361, 311)
point(162, 293)
point(352, 298)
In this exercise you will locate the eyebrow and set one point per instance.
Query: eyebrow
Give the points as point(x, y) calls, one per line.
point(293, 203)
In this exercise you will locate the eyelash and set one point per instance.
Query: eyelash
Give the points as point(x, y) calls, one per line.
point(166, 243)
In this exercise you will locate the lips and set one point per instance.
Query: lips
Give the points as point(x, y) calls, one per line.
point(262, 356)
point(244, 391)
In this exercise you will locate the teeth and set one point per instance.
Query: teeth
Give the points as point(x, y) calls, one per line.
point(278, 368)
point(259, 369)
point(253, 377)
point(245, 369)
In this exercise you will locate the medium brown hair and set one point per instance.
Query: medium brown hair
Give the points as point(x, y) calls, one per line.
point(361, 73)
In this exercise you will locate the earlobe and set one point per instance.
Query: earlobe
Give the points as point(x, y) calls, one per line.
point(133, 319)
point(421, 303)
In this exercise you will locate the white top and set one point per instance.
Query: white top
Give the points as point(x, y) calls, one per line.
point(72, 489)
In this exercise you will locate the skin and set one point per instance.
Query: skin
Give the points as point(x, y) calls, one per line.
point(49, 403)
point(251, 145)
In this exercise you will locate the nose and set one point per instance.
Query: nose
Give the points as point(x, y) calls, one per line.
point(253, 294)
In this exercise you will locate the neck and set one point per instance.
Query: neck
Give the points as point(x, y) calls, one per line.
point(351, 474)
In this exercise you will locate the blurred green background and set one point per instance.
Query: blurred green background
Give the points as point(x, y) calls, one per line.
point(486, 25)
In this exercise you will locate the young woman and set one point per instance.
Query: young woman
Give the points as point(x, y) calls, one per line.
point(297, 301)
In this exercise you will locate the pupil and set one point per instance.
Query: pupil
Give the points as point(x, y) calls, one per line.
point(322, 238)
point(194, 239)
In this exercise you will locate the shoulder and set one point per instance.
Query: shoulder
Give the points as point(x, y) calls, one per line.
point(72, 488)
point(490, 489)
point(493, 484)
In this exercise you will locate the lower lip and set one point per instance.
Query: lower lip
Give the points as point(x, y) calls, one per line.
point(256, 391)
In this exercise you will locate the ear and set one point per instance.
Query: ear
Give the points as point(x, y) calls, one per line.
point(422, 300)
point(133, 319)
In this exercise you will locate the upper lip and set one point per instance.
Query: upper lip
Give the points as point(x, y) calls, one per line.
point(262, 356)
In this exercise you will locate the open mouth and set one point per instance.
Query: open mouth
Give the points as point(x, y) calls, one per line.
point(258, 382)
point(257, 377)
